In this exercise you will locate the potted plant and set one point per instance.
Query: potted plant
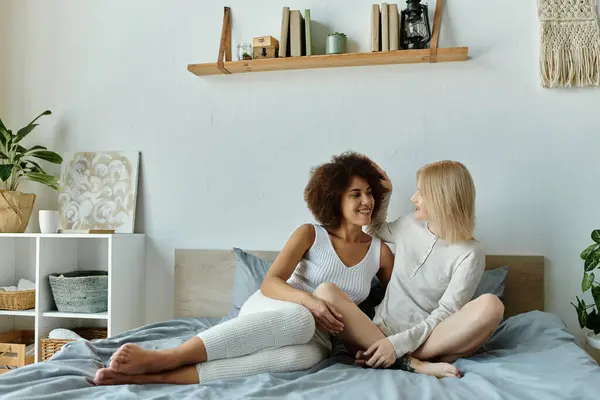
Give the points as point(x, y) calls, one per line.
point(590, 319)
point(16, 164)
point(336, 43)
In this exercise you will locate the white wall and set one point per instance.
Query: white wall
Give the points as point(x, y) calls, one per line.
point(4, 43)
point(225, 158)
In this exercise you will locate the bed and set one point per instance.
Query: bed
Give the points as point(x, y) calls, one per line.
point(531, 355)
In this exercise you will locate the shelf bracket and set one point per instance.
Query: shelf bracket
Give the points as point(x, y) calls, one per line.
point(435, 37)
point(225, 45)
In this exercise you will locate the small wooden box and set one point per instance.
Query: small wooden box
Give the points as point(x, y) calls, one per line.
point(13, 350)
point(265, 47)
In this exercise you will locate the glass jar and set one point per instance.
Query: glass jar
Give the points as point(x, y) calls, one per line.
point(244, 51)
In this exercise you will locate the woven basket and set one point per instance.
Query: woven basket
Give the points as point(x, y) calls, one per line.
point(80, 291)
point(50, 347)
point(19, 300)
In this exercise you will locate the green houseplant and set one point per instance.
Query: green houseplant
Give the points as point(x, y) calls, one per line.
point(591, 257)
point(18, 163)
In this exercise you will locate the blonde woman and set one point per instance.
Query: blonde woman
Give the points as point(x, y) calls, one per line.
point(427, 312)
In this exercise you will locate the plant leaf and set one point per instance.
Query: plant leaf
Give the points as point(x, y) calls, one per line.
point(36, 167)
point(5, 172)
point(596, 295)
point(47, 112)
point(585, 254)
point(24, 150)
point(24, 132)
point(587, 281)
point(591, 262)
point(6, 137)
point(582, 315)
point(596, 253)
point(596, 235)
point(593, 321)
point(46, 155)
point(46, 179)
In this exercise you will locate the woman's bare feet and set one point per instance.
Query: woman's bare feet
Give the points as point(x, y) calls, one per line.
point(438, 369)
point(107, 376)
point(187, 375)
point(132, 359)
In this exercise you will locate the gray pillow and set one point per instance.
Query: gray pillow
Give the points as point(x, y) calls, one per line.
point(250, 271)
point(492, 282)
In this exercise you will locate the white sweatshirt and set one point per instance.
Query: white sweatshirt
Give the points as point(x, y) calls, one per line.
point(432, 279)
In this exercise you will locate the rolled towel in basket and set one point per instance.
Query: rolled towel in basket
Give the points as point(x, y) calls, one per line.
point(23, 284)
point(63, 334)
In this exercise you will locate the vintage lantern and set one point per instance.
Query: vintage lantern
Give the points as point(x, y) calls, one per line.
point(414, 26)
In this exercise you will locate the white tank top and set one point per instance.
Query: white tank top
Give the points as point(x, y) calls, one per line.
point(321, 264)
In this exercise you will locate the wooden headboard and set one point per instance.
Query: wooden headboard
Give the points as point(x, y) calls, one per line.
point(204, 281)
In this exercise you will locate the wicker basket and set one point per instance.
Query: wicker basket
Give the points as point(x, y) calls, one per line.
point(13, 350)
point(80, 291)
point(51, 346)
point(18, 300)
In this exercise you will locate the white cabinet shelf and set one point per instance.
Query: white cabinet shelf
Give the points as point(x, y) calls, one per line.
point(35, 256)
point(58, 314)
point(23, 313)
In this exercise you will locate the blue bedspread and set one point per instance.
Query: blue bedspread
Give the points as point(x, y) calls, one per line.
point(531, 356)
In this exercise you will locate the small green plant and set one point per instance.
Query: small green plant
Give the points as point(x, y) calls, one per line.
point(17, 162)
point(591, 257)
point(337, 34)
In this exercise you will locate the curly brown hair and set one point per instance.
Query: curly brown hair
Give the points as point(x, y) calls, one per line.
point(328, 181)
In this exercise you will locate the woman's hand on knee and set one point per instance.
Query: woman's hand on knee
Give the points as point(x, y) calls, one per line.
point(326, 316)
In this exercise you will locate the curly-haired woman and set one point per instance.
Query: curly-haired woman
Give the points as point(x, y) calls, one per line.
point(286, 325)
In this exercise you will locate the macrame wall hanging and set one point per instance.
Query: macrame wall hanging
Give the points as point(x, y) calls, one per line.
point(570, 43)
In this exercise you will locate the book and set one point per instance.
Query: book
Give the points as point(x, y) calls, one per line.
point(385, 30)
point(307, 39)
point(393, 25)
point(296, 33)
point(284, 40)
point(375, 27)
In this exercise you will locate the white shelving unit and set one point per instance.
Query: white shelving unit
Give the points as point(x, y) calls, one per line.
point(35, 256)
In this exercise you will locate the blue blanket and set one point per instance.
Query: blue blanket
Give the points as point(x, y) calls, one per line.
point(531, 356)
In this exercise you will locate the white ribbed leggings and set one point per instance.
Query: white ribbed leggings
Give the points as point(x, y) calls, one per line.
point(268, 336)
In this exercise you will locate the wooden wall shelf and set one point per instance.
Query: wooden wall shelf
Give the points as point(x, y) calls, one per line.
point(431, 55)
point(332, 61)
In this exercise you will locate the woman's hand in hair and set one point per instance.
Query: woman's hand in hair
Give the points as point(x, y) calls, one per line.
point(386, 182)
point(326, 316)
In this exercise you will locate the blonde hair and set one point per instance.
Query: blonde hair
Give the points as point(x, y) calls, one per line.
point(448, 189)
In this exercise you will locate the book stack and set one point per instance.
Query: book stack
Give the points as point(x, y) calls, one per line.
point(295, 38)
point(385, 35)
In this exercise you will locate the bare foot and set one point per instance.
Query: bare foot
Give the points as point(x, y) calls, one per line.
point(439, 369)
point(107, 376)
point(132, 359)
